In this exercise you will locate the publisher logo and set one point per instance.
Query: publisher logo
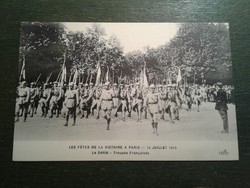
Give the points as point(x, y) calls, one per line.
point(224, 152)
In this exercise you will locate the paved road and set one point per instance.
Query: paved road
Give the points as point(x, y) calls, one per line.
point(201, 126)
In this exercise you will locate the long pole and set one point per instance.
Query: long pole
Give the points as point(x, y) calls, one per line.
point(38, 78)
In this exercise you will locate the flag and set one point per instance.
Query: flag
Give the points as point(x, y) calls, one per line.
point(179, 78)
point(142, 77)
point(145, 79)
point(22, 74)
point(98, 75)
point(75, 77)
point(169, 78)
point(107, 75)
point(63, 76)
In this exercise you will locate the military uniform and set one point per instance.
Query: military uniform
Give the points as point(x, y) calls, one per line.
point(56, 94)
point(71, 102)
point(33, 99)
point(152, 102)
point(44, 100)
point(107, 103)
point(116, 95)
point(96, 101)
point(221, 106)
point(23, 100)
point(85, 101)
point(122, 102)
point(172, 104)
point(137, 104)
point(163, 100)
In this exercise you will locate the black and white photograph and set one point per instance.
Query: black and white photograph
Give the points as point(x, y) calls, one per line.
point(125, 91)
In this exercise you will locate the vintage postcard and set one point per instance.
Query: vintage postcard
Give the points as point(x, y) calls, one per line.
point(125, 91)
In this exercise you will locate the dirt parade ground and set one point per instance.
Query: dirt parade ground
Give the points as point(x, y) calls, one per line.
point(201, 126)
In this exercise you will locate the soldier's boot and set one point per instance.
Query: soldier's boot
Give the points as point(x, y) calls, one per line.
point(46, 112)
point(51, 116)
point(92, 112)
point(57, 113)
point(21, 115)
point(17, 117)
point(25, 117)
point(87, 115)
point(171, 119)
point(225, 126)
point(66, 124)
point(74, 121)
point(123, 116)
point(115, 114)
point(153, 126)
point(156, 127)
point(43, 111)
point(146, 115)
point(129, 114)
point(31, 112)
point(82, 115)
point(108, 123)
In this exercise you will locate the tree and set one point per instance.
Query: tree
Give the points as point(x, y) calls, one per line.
point(42, 46)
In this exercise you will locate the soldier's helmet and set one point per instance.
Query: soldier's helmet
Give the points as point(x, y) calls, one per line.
point(121, 85)
point(32, 83)
point(91, 84)
point(152, 86)
point(169, 85)
point(174, 85)
point(71, 84)
point(115, 84)
point(137, 83)
point(160, 86)
point(86, 85)
point(81, 83)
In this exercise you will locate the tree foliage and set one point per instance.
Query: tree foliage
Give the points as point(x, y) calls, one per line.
point(41, 45)
point(200, 50)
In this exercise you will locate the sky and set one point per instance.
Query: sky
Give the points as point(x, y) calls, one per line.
point(133, 36)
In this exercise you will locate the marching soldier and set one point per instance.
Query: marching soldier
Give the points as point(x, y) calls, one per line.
point(197, 98)
point(188, 98)
point(137, 104)
point(163, 100)
point(177, 100)
point(123, 101)
point(85, 99)
point(107, 102)
point(56, 94)
point(96, 101)
point(171, 103)
point(152, 102)
point(33, 98)
point(44, 99)
point(71, 102)
point(221, 106)
point(115, 98)
point(23, 100)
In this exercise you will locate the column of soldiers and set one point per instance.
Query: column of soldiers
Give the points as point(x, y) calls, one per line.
point(86, 99)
